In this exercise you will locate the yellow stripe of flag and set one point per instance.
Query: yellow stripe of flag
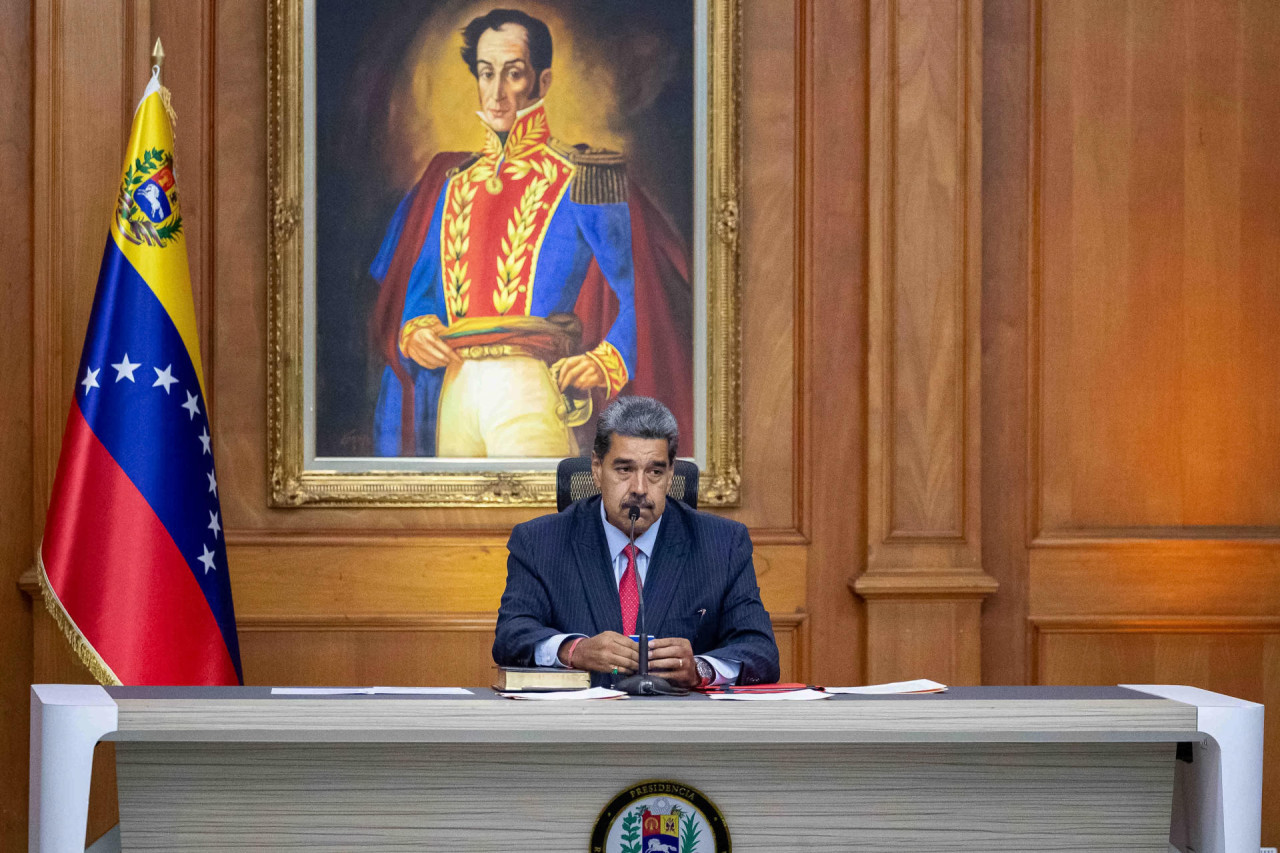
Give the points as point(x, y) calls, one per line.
point(161, 263)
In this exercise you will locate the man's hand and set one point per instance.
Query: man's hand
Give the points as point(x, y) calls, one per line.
point(428, 349)
point(578, 372)
point(602, 653)
point(672, 658)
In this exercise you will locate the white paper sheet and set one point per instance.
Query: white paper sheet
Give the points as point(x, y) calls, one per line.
point(369, 691)
point(920, 685)
point(555, 695)
point(790, 695)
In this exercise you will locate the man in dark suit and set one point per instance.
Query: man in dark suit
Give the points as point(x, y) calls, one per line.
point(573, 582)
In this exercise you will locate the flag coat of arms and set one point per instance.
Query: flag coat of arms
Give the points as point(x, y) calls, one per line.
point(133, 564)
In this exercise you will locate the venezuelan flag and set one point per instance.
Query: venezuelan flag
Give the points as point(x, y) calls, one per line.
point(133, 564)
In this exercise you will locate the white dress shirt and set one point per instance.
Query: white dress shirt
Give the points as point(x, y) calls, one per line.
point(547, 652)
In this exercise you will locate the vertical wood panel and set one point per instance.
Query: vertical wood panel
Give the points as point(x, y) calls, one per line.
point(924, 371)
point(1008, 74)
point(16, 540)
point(922, 293)
point(833, 144)
point(1155, 350)
point(769, 285)
point(1215, 321)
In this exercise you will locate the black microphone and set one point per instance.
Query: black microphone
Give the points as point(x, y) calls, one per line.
point(642, 683)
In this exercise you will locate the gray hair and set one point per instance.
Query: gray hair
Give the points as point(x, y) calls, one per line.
point(636, 417)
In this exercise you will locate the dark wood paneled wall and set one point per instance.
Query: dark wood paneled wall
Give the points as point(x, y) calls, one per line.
point(1009, 286)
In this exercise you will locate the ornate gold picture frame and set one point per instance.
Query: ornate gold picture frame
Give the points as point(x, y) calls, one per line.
point(311, 460)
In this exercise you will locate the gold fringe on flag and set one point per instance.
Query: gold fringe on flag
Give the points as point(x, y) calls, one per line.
point(83, 649)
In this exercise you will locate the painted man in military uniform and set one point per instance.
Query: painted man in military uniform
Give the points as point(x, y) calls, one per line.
point(485, 259)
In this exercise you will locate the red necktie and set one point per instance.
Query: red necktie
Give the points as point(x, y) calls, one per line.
point(629, 591)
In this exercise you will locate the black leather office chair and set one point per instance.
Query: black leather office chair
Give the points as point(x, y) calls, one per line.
point(574, 482)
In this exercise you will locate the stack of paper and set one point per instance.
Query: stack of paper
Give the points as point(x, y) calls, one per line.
point(920, 685)
point(784, 695)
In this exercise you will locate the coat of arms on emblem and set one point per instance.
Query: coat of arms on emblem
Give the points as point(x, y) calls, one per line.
point(147, 206)
point(660, 817)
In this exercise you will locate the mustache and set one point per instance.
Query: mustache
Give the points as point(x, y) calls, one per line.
point(639, 504)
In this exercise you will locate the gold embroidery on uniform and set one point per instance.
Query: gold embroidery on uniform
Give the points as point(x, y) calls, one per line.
point(457, 239)
point(485, 170)
point(515, 245)
point(526, 137)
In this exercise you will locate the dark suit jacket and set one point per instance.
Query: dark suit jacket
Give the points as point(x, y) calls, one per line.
point(701, 585)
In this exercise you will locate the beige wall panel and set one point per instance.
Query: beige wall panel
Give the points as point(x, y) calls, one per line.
point(1158, 297)
point(1241, 661)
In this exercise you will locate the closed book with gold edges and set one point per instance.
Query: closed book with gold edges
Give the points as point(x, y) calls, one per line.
point(531, 679)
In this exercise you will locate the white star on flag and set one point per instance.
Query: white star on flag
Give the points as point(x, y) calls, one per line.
point(213, 484)
point(207, 559)
point(124, 368)
point(90, 380)
point(163, 377)
point(214, 525)
point(204, 440)
point(191, 405)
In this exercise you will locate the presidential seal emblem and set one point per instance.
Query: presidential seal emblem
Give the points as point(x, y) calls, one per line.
point(147, 205)
point(660, 817)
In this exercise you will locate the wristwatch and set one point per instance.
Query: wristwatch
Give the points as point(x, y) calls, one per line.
point(706, 672)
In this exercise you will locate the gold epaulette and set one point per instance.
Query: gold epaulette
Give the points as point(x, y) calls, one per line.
point(464, 165)
point(599, 175)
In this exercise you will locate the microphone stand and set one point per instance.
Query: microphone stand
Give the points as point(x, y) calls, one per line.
point(642, 683)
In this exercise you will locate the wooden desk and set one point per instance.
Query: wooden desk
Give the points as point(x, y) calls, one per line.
point(972, 769)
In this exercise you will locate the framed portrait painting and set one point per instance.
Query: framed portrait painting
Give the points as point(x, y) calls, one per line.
point(487, 221)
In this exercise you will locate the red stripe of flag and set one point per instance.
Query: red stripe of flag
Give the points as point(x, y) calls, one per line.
point(103, 533)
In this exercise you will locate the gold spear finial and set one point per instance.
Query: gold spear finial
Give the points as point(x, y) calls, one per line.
point(157, 54)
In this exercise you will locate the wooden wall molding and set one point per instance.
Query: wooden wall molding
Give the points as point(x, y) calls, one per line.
point(921, 584)
point(1106, 624)
point(924, 556)
point(480, 622)
point(1109, 537)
